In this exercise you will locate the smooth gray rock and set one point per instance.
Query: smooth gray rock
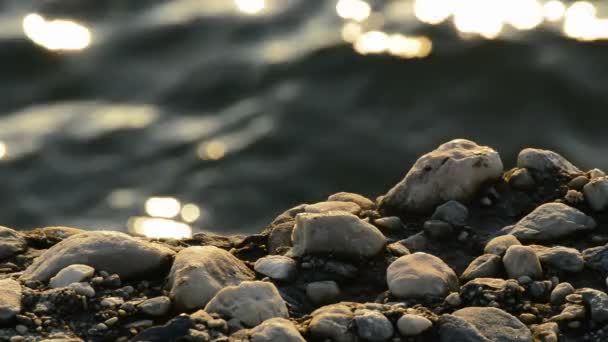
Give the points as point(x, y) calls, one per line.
point(11, 242)
point(438, 229)
point(338, 233)
point(325, 207)
point(157, 306)
point(276, 329)
point(597, 302)
point(412, 325)
point(251, 302)
point(500, 244)
point(559, 293)
point(484, 266)
point(10, 300)
point(561, 258)
point(544, 161)
point(323, 292)
point(276, 267)
point(373, 326)
point(198, 273)
point(452, 212)
point(72, 274)
point(596, 193)
point(455, 329)
point(83, 289)
point(363, 202)
point(454, 171)
point(522, 261)
point(483, 324)
point(550, 221)
point(419, 275)
point(110, 251)
point(521, 179)
point(332, 322)
point(596, 258)
point(416, 242)
point(389, 223)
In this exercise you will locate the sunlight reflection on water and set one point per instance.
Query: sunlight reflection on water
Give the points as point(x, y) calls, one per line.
point(56, 34)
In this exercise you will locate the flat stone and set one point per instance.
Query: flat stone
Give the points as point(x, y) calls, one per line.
point(276, 329)
point(332, 322)
point(72, 274)
point(83, 289)
point(452, 212)
point(455, 170)
point(363, 202)
point(483, 324)
point(323, 292)
point(157, 306)
point(374, 326)
point(559, 293)
point(325, 207)
point(251, 302)
point(550, 221)
point(198, 273)
point(545, 161)
point(276, 267)
point(597, 302)
point(412, 325)
point(397, 249)
point(500, 244)
point(11, 242)
point(336, 233)
point(596, 193)
point(10, 300)
point(419, 275)
point(484, 266)
point(561, 258)
point(102, 250)
point(522, 261)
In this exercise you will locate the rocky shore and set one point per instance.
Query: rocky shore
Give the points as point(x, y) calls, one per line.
point(461, 250)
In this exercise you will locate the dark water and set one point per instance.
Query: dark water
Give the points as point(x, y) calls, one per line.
point(282, 111)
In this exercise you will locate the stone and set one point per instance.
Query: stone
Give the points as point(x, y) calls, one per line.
point(455, 170)
point(484, 266)
point(438, 229)
point(597, 302)
point(522, 261)
point(251, 302)
point(389, 223)
point(397, 249)
point(550, 221)
point(332, 322)
point(577, 183)
point(102, 250)
point(276, 267)
point(452, 212)
point(500, 244)
point(560, 292)
point(482, 324)
point(157, 306)
point(596, 258)
point(561, 258)
point(419, 275)
point(373, 326)
point(280, 237)
point(83, 289)
point(453, 299)
point(198, 273)
point(289, 214)
point(545, 161)
point(323, 292)
point(363, 202)
point(337, 233)
point(416, 242)
point(10, 300)
point(546, 332)
point(329, 206)
point(412, 325)
point(596, 193)
point(521, 179)
point(71, 274)
point(112, 302)
point(276, 329)
point(595, 173)
point(11, 242)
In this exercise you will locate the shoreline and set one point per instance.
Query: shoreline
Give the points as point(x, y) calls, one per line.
point(462, 249)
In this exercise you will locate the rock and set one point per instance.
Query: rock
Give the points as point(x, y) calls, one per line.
point(456, 170)
point(577, 183)
point(11, 242)
point(198, 273)
point(483, 325)
point(332, 322)
point(559, 293)
point(500, 244)
point(521, 179)
point(102, 250)
point(323, 292)
point(112, 302)
point(363, 202)
point(595, 173)
point(452, 212)
point(157, 306)
point(83, 289)
point(574, 197)
point(276, 329)
point(596, 258)
point(389, 223)
point(276, 267)
point(550, 221)
point(325, 207)
point(373, 326)
point(10, 300)
point(416, 242)
point(522, 261)
point(251, 302)
point(597, 302)
point(596, 193)
point(546, 332)
point(561, 258)
point(412, 325)
point(172, 331)
point(545, 161)
point(338, 233)
point(419, 275)
point(397, 249)
point(484, 266)
point(280, 238)
point(438, 229)
point(72, 274)
point(289, 214)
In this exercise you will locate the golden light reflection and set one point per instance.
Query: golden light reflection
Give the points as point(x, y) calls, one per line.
point(357, 10)
point(121, 198)
point(3, 150)
point(554, 10)
point(524, 14)
point(483, 17)
point(56, 34)
point(250, 6)
point(167, 207)
point(372, 42)
point(432, 11)
point(377, 42)
point(581, 22)
point(190, 212)
point(155, 227)
point(351, 31)
point(212, 150)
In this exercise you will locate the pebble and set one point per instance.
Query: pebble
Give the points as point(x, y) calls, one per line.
point(277, 267)
point(111, 321)
point(484, 266)
point(452, 212)
point(521, 179)
point(329, 206)
point(323, 292)
point(83, 289)
point(412, 325)
point(419, 275)
point(499, 245)
point(111, 302)
point(21, 329)
point(157, 306)
point(361, 201)
point(332, 322)
point(577, 183)
point(373, 326)
point(545, 162)
point(101, 327)
point(71, 274)
point(559, 293)
point(276, 330)
point(453, 299)
point(438, 229)
point(522, 261)
point(389, 223)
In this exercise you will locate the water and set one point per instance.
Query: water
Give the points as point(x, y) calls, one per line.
point(244, 115)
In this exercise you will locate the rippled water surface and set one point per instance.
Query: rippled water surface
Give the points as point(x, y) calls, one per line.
point(173, 116)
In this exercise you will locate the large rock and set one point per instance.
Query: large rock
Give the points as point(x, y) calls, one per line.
point(484, 266)
point(251, 302)
point(597, 302)
point(522, 261)
point(71, 274)
point(561, 258)
point(481, 324)
point(338, 233)
point(596, 258)
point(454, 171)
point(10, 300)
point(544, 161)
point(332, 322)
point(109, 251)
point(276, 329)
point(198, 273)
point(419, 275)
point(550, 221)
point(11, 242)
point(596, 193)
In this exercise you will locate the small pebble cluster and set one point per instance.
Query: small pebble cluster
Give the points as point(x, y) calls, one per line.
point(459, 250)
